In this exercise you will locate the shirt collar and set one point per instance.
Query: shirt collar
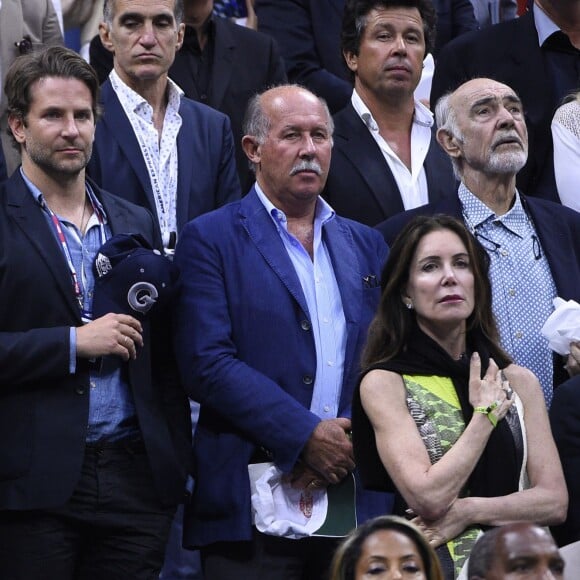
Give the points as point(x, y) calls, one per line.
point(135, 101)
point(323, 213)
point(39, 198)
point(545, 26)
point(190, 36)
point(476, 213)
point(422, 115)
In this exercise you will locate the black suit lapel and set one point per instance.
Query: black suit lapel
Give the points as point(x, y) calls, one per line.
point(367, 157)
point(223, 60)
point(29, 216)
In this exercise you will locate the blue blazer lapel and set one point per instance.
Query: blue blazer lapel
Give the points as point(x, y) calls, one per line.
point(562, 258)
point(263, 233)
point(347, 270)
point(187, 132)
point(30, 218)
point(117, 124)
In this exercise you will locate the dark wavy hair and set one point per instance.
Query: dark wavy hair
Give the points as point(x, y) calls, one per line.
point(391, 327)
point(354, 20)
point(348, 553)
point(55, 61)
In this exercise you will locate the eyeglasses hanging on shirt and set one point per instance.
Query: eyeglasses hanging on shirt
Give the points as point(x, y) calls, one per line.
point(492, 246)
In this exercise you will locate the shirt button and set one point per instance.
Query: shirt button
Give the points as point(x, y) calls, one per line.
point(93, 385)
point(325, 320)
point(305, 325)
point(519, 334)
point(512, 292)
point(80, 390)
point(307, 379)
point(330, 363)
point(326, 409)
point(504, 253)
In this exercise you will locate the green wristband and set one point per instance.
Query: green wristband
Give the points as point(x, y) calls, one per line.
point(488, 411)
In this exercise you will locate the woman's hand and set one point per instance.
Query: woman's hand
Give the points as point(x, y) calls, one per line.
point(493, 391)
point(449, 526)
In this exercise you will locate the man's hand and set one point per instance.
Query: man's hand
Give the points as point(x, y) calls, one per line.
point(303, 477)
point(118, 334)
point(329, 450)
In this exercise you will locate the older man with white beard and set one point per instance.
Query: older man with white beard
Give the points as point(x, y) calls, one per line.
point(533, 245)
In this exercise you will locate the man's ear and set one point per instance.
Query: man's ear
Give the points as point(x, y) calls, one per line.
point(351, 60)
point(105, 34)
point(16, 124)
point(448, 142)
point(180, 36)
point(251, 148)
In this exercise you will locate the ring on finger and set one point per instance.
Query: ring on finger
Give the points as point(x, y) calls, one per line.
point(509, 393)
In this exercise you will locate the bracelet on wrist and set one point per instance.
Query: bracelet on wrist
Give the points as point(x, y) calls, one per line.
point(488, 411)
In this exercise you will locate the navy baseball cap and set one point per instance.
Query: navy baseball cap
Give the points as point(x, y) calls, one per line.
point(132, 278)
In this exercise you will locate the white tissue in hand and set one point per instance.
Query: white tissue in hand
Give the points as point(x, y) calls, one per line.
point(563, 325)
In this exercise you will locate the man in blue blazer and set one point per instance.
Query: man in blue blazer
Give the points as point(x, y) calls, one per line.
point(386, 158)
point(534, 244)
point(277, 295)
point(220, 64)
point(153, 146)
point(94, 424)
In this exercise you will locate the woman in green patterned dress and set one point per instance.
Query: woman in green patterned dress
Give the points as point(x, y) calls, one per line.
point(439, 413)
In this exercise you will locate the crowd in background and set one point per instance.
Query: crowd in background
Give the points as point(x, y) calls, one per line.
point(371, 206)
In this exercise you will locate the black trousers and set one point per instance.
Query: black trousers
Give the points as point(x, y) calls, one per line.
point(269, 557)
point(112, 528)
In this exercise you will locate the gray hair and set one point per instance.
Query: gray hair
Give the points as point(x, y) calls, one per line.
point(446, 119)
point(258, 124)
point(108, 11)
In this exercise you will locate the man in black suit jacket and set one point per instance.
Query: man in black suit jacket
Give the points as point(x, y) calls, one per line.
point(541, 72)
point(386, 158)
point(308, 33)
point(94, 425)
point(220, 64)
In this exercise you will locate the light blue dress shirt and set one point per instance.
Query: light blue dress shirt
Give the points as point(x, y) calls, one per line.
point(112, 415)
point(522, 285)
point(324, 303)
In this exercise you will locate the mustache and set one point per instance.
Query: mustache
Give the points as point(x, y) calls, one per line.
point(510, 137)
point(306, 166)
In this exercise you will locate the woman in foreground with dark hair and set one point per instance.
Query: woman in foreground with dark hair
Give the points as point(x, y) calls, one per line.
point(439, 414)
point(386, 547)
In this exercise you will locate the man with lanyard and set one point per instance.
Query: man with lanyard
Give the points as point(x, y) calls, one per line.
point(153, 146)
point(94, 425)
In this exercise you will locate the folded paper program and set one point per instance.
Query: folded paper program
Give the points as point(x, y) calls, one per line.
point(563, 325)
